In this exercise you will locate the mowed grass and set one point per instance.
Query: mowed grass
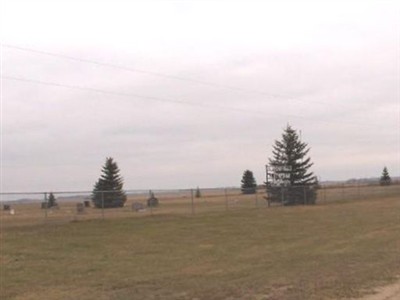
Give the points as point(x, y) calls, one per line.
point(330, 251)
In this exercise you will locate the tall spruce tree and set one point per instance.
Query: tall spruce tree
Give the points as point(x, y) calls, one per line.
point(385, 178)
point(107, 191)
point(297, 184)
point(248, 182)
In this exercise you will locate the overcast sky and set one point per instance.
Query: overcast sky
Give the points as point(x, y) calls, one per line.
point(192, 93)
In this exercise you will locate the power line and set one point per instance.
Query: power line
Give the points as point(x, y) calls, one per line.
point(152, 98)
point(152, 73)
point(160, 99)
point(163, 75)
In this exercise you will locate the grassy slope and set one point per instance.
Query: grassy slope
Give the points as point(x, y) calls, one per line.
point(324, 251)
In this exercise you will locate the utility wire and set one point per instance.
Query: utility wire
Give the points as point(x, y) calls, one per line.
point(160, 99)
point(152, 98)
point(152, 73)
point(167, 76)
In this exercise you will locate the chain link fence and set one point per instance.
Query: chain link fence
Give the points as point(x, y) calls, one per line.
point(61, 207)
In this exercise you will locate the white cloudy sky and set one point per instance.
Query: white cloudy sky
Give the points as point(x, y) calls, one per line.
point(237, 73)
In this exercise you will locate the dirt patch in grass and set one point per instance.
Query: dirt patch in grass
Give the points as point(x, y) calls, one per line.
point(387, 292)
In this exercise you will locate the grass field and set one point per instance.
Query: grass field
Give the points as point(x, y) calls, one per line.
point(334, 250)
point(174, 203)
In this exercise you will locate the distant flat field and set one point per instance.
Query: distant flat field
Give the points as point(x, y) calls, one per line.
point(333, 250)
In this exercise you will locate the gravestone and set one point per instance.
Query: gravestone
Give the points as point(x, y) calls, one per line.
point(80, 208)
point(6, 207)
point(137, 206)
point(86, 203)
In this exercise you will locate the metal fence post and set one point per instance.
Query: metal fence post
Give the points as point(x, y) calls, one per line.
point(102, 205)
point(305, 195)
point(256, 198)
point(151, 203)
point(45, 205)
point(192, 198)
point(343, 191)
point(226, 199)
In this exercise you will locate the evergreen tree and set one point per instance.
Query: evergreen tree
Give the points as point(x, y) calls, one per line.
point(296, 184)
point(51, 201)
point(197, 193)
point(248, 183)
point(107, 191)
point(385, 178)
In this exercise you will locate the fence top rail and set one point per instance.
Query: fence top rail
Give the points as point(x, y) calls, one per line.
point(146, 191)
point(42, 193)
point(141, 191)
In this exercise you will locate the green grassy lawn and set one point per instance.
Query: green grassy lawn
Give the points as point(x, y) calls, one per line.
point(330, 251)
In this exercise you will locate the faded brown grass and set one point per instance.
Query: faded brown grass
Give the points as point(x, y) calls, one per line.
point(329, 251)
point(180, 203)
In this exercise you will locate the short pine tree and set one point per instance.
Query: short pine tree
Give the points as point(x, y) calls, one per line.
point(385, 178)
point(51, 202)
point(197, 193)
point(249, 184)
point(107, 191)
point(297, 184)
